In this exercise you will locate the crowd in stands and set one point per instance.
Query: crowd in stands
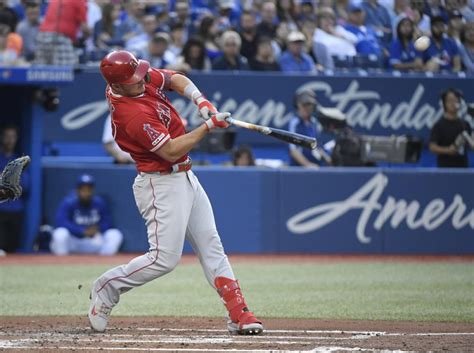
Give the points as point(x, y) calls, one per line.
point(260, 35)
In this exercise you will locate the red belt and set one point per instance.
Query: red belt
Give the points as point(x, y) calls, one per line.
point(175, 168)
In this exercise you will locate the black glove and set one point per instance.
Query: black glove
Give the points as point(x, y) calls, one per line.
point(10, 179)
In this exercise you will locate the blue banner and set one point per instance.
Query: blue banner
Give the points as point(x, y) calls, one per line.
point(332, 210)
point(379, 105)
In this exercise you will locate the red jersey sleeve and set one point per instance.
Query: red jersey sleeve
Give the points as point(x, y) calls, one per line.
point(162, 78)
point(147, 132)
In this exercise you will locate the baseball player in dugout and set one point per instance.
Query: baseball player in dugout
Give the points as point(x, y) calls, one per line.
point(84, 223)
point(167, 193)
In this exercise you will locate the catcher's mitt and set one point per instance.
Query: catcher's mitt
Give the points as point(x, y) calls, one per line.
point(10, 178)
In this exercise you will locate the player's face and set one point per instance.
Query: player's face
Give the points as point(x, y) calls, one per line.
point(451, 103)
point(132, 90)
point(85, 193)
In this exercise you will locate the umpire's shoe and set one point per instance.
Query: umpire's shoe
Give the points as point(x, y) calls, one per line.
point(98, 313)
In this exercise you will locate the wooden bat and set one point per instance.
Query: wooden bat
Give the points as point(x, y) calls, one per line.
point(290, 137)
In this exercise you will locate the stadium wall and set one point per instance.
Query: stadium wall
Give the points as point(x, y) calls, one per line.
point(373, 211)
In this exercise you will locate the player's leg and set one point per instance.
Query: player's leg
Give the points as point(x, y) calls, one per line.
point(112, 240)
point(202, 235)
point(165, 204)
point(61, 241)
point(86, 245)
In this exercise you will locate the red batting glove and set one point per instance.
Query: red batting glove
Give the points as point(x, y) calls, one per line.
point(217, 120)
point(206, 108)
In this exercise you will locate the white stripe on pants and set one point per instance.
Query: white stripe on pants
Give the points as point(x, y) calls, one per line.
point(173, 206)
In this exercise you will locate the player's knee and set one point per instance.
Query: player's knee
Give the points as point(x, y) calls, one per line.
point(112, 240)
point(59, 241)
point(167, 262)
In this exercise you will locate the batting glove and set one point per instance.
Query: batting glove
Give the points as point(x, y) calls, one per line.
point(206, 108)
point(217, 120)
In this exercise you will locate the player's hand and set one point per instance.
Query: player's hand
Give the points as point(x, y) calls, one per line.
point(217, 120)
point(91, 231)
point(205, 107)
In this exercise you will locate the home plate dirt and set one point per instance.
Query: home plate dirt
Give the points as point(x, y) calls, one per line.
point(157, 334)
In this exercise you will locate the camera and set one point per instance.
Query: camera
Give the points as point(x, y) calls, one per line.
point(353, 149)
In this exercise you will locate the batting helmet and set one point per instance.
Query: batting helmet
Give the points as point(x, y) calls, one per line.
point(123, 67)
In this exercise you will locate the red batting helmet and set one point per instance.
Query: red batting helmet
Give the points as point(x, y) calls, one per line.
point(123, 67)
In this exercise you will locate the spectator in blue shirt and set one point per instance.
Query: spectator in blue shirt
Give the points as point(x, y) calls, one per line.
point(84, 223)
point(305, 123)
point(403, 55)
point(379, 19)
point(294, 59)
point(367, 41)
point(11, 213)
point(442, 54)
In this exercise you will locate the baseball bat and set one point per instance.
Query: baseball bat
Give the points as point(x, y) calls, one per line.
point(286, 136)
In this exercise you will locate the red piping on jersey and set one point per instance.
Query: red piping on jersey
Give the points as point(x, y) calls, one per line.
point(156, 236)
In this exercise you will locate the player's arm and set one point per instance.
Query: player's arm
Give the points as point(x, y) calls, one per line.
point(301, 159)
point(176, 148)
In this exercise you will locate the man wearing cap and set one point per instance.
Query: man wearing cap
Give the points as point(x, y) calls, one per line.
point(83, 223)
point(294, 59)
point(304, 122)
point(443, 53)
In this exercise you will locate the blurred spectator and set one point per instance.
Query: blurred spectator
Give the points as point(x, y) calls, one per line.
point(28, 29)
point(110, 32)
point(268, 22)
point(294, 59)
point(248, 34)
point(132, 15)
point(208, 31)
point(265, 58)
point(182, 16)
point(158, 54)
point(286, 12)
point(367, 41)
point(435, 8)
point(231, 58)
point(139, 42)
point(224, 13)
point(8, 16)
point(336, 39)
point(307, 11)
point(178, 38)
point(12, 212)
point(111, 146)
point(446, 131)
point(243, 157)
point(466, 49)
point(304, 122)
point(419, 17)
point(59, 31)
point(401, 9)
point(378, 18)
point(467, 10)
point(442, 54)
point(455, 25)
point(19, 6)
point(340, 10)
point(193, 57)
point(83, 223)
point(403, 55)
point(10, 47)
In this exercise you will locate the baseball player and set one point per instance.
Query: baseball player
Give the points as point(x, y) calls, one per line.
point(84, 223)
point(167, 193)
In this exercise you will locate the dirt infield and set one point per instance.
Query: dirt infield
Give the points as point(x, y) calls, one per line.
point(60, 334)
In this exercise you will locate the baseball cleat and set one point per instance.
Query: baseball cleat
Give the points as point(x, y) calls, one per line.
point(234, 328)
point(98, 313)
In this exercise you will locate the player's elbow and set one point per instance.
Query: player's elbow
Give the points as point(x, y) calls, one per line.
point(169, 152)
